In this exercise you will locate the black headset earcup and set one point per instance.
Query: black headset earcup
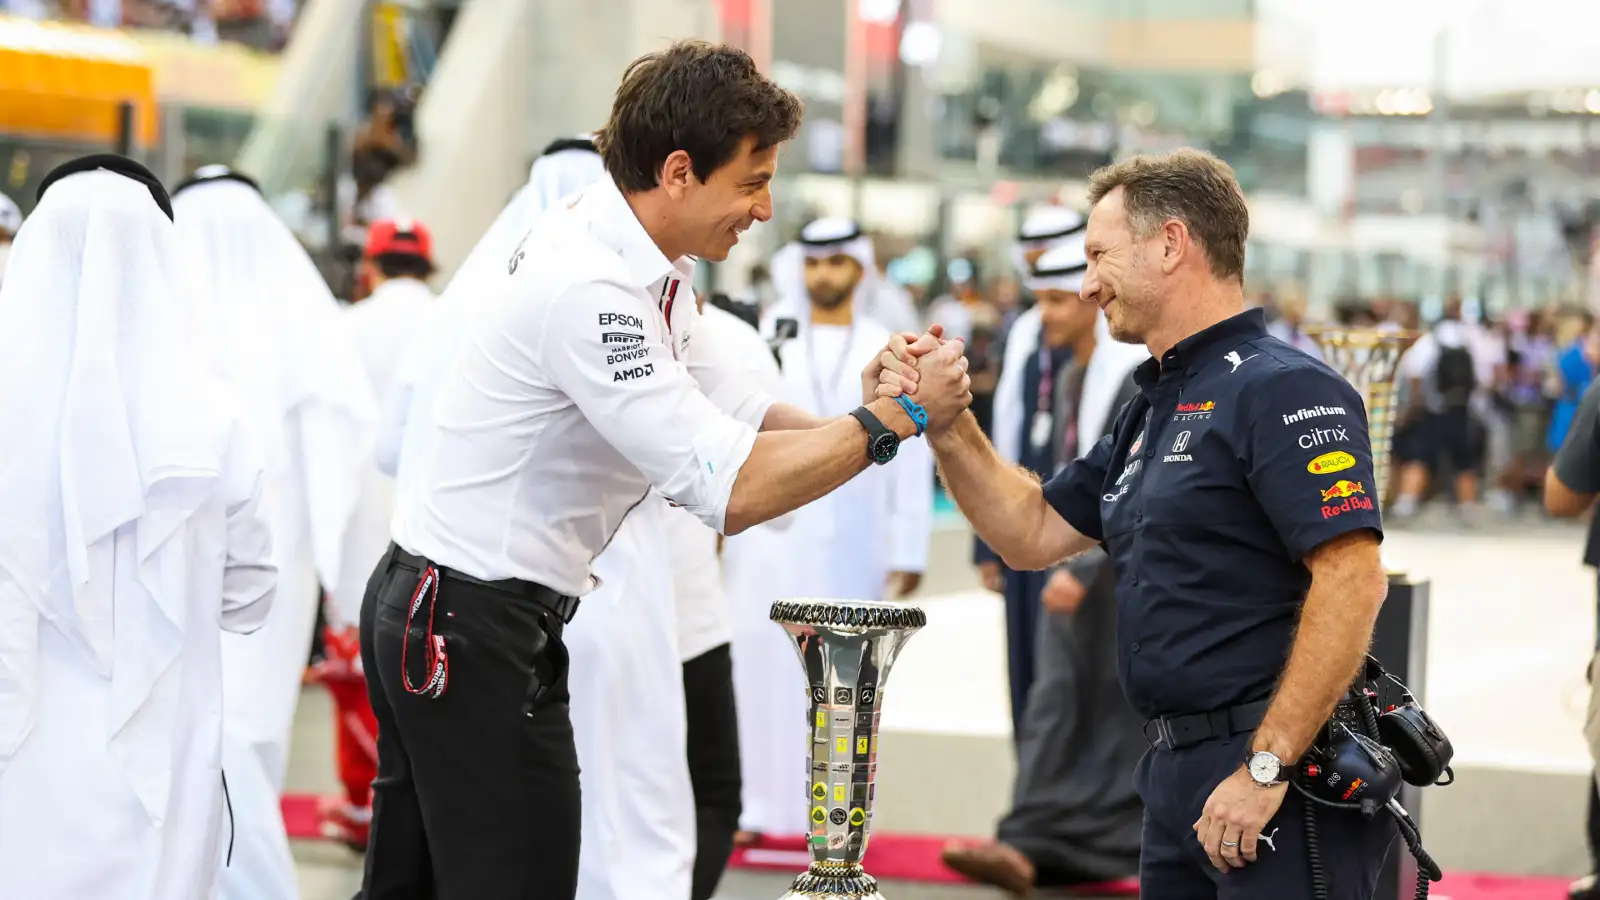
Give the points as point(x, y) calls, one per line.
point(1418, 743)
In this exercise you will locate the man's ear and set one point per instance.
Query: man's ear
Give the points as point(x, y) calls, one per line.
point(677, 173)
point(1175, 242)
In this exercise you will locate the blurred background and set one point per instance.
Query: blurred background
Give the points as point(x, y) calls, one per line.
point(1403, 162)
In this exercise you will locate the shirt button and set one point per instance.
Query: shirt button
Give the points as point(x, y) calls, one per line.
point(1136, 646)
point(1138, 517)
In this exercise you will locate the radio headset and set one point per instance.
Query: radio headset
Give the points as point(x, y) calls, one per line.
point(1379, 739)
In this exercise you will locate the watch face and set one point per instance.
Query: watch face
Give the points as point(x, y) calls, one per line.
point(1264, 767)
point(884, 447)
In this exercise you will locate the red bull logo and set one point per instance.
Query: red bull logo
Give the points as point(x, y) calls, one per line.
point(1342, 488)
point(1344, 496)
point(1207, 406)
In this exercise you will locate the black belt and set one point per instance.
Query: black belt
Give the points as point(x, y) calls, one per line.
point(563, 606)
point(1177, 732)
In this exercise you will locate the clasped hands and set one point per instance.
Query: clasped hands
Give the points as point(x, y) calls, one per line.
point(927, 368)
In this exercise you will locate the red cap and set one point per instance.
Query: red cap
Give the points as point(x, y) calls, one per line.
point(406, 237)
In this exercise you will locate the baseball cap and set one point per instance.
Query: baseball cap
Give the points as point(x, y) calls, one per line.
point(399, 237)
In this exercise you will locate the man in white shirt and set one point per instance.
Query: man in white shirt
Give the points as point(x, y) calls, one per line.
point(133, 538)
point(10, 224)
point(395, 266)
point(868, 540)
point(567, 404)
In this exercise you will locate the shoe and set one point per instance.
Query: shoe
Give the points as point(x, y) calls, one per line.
point(1585, 888)
point(998, 865)
point(344, 822)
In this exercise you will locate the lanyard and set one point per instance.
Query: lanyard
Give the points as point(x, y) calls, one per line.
point(1046, 380)
point(438, 664)
point(838, 367)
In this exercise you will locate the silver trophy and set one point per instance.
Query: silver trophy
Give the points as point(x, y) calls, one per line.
point(846, 647)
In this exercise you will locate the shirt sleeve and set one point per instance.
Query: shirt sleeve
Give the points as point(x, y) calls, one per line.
point(392, 427)
point(601, 349)
point(1312, 476)
point(728, 382)
point(1577, 463)
point(1074, 492)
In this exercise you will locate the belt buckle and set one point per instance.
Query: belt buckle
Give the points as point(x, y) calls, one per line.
point(1163, 732)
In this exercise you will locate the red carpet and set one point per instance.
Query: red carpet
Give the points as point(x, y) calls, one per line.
point(909, 857)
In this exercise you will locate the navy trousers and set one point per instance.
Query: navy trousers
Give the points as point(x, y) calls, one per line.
point(1175, 785)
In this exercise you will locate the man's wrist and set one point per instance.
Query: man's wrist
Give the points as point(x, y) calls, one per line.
point(1276, 745)
point(893, 417)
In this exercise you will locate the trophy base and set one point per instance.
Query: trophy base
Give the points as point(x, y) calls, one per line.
point(833, 881)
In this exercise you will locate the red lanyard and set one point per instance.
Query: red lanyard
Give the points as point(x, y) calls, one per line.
point(438, 663)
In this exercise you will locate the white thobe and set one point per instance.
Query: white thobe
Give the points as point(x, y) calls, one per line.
point(627, 645)
point(843, 545)
point(383, 325)
point(142, 817)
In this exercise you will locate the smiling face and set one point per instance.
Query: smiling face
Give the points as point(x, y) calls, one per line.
point(713, 213)
point(1124, 271)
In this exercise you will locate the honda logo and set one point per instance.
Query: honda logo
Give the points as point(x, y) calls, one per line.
point(1181, 442)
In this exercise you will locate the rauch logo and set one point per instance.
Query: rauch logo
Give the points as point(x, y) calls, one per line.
point(1347, 493)
point(1337, 461)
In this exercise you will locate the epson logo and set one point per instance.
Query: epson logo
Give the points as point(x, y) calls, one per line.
point(622, 319)
point(1315, 411)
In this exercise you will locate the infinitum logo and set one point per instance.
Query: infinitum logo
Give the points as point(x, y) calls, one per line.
point(1312, 413)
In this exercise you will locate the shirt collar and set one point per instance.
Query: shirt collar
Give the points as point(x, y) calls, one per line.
point(1194, 351)
point(615, 223)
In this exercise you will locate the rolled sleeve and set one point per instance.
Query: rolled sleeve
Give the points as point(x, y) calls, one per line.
point(1313, 474)
point(1074, 492)
point(1577, 463)
point(642, 400)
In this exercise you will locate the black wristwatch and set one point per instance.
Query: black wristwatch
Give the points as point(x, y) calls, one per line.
point(882, 444)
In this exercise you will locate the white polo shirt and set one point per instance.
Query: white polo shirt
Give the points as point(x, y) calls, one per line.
point(568, 399)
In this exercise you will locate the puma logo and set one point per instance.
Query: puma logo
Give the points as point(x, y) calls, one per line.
point(1233, 357)
point(1267, 839)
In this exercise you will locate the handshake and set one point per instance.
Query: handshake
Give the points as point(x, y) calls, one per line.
point(927, 368)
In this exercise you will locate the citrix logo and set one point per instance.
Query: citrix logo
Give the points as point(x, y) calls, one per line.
point(1316, 437)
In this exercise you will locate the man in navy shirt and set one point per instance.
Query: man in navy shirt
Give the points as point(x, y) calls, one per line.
point(1237, 501)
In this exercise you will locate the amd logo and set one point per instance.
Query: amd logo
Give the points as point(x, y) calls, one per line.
point(636, 372)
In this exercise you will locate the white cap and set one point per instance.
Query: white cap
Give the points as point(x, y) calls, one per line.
point(10, 215)
point(1051, 223)
point(1061, 268)
point(830, 235)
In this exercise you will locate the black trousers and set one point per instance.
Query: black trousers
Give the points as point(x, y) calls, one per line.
point(713, 764)
point(477, 791)
point(1176, 784)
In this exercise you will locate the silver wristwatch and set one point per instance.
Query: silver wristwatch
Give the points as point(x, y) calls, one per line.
point(1266, 769)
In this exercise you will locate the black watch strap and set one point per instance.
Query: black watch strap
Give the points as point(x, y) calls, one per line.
point(882, 444)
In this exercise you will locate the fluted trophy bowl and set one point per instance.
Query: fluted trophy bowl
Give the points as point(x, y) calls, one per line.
point(1369, 359)
point(846, 648)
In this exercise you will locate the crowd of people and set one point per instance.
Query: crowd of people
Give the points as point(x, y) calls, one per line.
point(262, 24)
point(545, 512)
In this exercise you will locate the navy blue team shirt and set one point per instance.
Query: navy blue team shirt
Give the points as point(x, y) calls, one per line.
point(1239, 456)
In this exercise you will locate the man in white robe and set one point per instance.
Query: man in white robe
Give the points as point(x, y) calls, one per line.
point(877, 298)
point(10, 223)
point(868, 540)
point(132, 538)
point(290, 353)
